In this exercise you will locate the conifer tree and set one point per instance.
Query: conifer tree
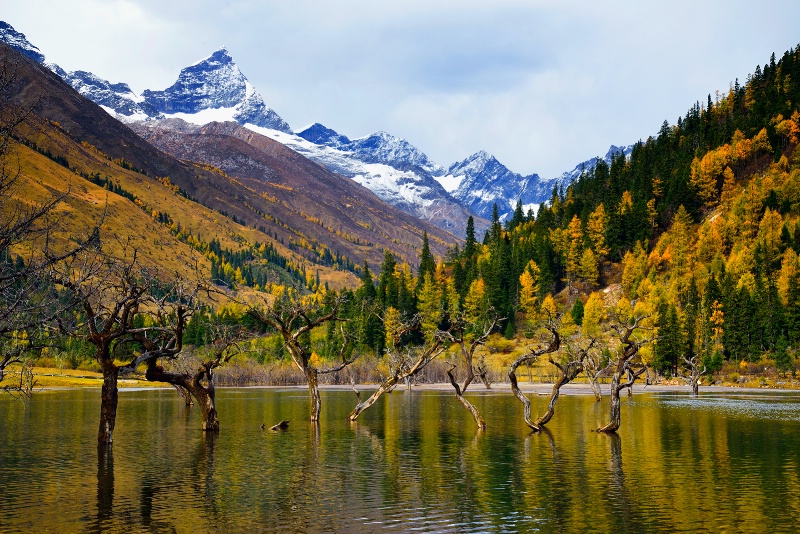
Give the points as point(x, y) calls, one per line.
point(427, 265)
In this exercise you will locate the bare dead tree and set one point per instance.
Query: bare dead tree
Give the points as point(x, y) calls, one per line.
point(404, 363)
point(23, 386)
point(569, 369)
point(109, 319)
point(112, 301)
point(595, 366)
point(293, 318)
point(164, 341)
point(458, 335)
point(553, 345)
point(693, 366)
point(629, 349)
point(199, 382)
point(29, 299)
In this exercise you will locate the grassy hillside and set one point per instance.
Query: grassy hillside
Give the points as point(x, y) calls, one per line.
point(170, 230)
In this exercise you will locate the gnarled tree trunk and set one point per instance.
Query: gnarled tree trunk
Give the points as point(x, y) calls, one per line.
point(613, 425)
point(108, 403)
point(313, 391)
point(385, 387)
point(292, 321)
point(464, 402)
point(204, 394)
point(554, 345)
point(184, 394)
point(592, 377)
point(630, 349)
point(694, 373)
point(400, 373)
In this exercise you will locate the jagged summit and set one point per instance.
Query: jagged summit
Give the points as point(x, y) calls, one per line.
point(18, 41)
point(215, 83)
point(320, 134)
point(481, 181)
point(220, 55)
point(212, 89)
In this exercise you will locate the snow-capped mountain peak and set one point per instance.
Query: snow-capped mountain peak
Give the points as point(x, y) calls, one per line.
point(322, 135)
point(215, 89)
point(212, 89)
point(481, 181)
point(18, 41)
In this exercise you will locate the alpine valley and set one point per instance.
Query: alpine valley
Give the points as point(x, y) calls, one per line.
point(215, 90)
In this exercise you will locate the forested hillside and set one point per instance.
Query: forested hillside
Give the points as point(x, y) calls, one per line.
point(699, 229)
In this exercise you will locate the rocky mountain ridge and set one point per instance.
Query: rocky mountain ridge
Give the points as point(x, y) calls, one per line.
point(215, 90)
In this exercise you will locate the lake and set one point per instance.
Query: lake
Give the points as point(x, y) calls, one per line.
point(413, 462)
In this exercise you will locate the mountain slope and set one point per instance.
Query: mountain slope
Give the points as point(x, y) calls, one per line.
point(390, 167)
point(215, 90)
point(324, 207)
point(84, 122)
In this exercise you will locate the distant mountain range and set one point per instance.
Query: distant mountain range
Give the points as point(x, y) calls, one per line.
point(215, 90)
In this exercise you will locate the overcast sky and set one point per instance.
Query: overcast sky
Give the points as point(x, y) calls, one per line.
point(542, 85)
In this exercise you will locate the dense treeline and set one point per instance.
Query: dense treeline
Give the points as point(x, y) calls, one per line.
point(699, 224)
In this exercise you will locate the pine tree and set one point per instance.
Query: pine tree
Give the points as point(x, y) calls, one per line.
point(427, 265)
point(366, 292)
point(577, 312)
point(470, 245)
point(387, 282)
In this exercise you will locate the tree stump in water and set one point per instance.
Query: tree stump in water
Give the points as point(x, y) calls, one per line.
point(283, 425)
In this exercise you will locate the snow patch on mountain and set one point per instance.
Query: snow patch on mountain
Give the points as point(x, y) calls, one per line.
point(482, 181)
point(215, 83)
point(397, 187)
point(18, 41)
point(379, 147)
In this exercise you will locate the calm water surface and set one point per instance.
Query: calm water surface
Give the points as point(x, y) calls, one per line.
point(413, 462)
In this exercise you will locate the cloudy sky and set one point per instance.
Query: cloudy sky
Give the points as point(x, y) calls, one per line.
point(541, 84)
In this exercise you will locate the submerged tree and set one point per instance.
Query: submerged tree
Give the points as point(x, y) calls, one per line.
point(467, 343)
point(113, 313)
point(693, 365)
point(294, 318)
point(595, 365)
point(629, 349)
point(404, 362)
point(569, 368)
point(199, 381)
point(531, 356)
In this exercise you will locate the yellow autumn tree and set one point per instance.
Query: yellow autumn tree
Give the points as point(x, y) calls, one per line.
point(589, 267)
point(790, 266)
point(634, 269)
point(549, 308)
point(572, 262)
point(704, 174)
point(430, 306)
point(596, 228)
point(625, 203)
point(769, 233)
point(593, 315)
point(476, 302)
point(529, 290)
point(729, 191)
point(391, 322)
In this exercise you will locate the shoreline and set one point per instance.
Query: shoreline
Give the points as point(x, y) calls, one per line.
point(542, 389)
